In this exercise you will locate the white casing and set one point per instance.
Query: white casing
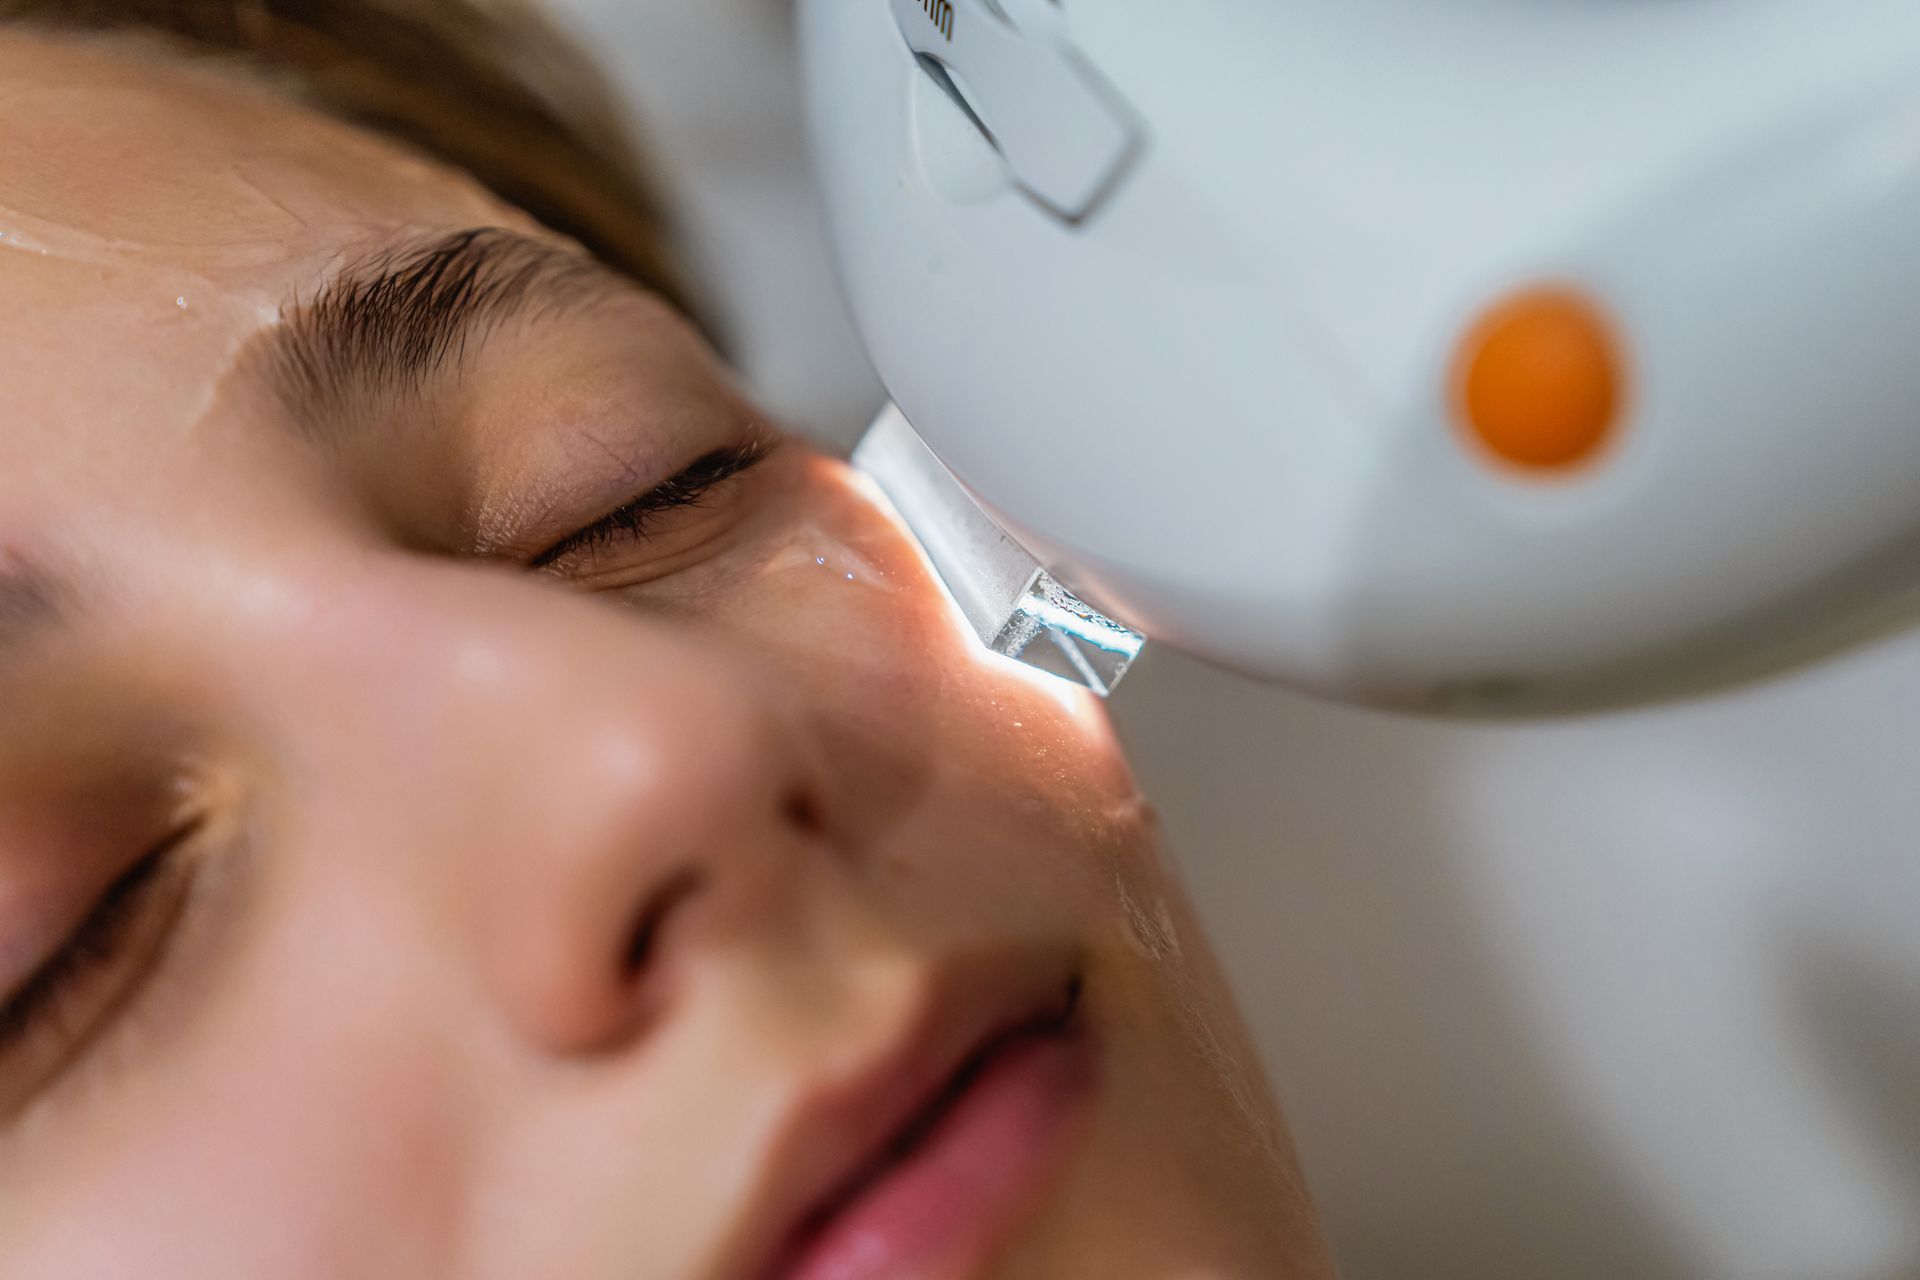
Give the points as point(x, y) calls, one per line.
point(1213, 394)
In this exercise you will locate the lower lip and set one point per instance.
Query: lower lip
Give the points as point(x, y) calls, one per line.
point(953, 1200)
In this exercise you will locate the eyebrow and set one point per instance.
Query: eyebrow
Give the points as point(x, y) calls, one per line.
point(384, 326)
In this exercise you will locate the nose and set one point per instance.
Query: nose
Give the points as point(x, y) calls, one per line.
point(605, 798)
point(653, 826)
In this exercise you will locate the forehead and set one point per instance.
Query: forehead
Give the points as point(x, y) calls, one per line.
point(154, 216)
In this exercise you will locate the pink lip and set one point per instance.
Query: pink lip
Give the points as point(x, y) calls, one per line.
point(967, 1151)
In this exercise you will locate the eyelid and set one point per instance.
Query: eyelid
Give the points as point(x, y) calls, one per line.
point(685, 488)
point(136, 910)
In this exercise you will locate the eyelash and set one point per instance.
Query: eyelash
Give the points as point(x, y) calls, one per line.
point(94, 945)
point(688, 488)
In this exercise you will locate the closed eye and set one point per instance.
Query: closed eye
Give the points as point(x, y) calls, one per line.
point(100, 965)
point(633, 519)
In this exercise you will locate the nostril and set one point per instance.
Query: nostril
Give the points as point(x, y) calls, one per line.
point(644, 943)
point(803, 812)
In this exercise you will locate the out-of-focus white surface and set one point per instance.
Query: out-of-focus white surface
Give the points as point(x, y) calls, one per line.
point(1633, 997)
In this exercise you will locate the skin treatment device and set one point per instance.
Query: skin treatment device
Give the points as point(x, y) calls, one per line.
point(1490, 356)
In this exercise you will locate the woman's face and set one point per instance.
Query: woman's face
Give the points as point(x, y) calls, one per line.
point(475, 802)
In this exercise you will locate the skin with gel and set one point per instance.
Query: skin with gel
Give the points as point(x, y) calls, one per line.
point(476, 801)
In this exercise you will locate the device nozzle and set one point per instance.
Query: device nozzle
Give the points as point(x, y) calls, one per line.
point(1012, 603)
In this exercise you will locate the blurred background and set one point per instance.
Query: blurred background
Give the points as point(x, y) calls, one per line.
point(1636, 996)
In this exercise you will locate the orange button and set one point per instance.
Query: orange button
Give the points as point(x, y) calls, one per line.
point(1540, 379)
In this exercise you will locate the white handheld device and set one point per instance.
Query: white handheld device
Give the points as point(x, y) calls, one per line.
point(1488, 354)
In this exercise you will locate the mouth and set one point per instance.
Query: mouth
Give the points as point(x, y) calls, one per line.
point(962, 1163)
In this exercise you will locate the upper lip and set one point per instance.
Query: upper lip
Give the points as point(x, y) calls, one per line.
point(848, 1129)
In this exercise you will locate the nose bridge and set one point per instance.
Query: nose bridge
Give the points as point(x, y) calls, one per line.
point(576, 788)
point(409, 652)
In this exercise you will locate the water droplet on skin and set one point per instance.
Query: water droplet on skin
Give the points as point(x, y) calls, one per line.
point(181, 303)
point(819, 559)
point(849, 577)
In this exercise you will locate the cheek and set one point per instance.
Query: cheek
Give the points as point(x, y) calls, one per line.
point(222, 1152)
point(829, 588)
point(240, 1170)
point(918, 721)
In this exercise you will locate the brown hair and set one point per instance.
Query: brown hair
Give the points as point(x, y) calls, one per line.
point(486, 85)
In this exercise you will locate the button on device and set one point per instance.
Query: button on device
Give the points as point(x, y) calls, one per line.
point(1065, 133)
point(1541, 380)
